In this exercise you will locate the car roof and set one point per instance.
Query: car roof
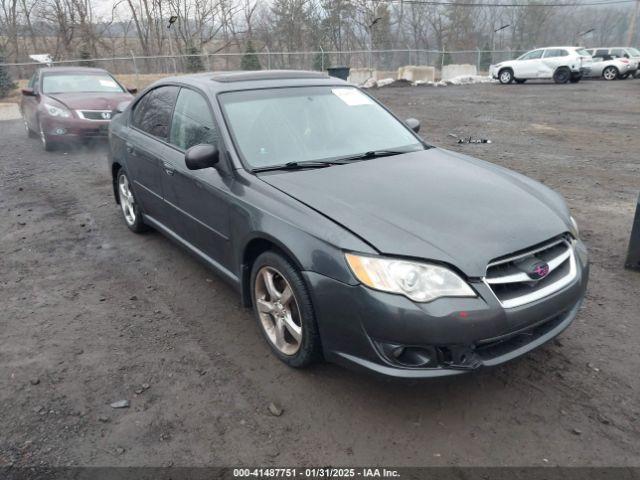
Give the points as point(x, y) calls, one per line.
point(72, 70)
point(247, 80)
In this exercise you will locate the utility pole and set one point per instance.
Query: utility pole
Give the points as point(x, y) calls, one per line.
point(632, 23)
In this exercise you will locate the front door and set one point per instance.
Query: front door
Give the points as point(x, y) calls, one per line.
point(29, 104)
point(197, 200)
point(529, 65)
point(146, 145)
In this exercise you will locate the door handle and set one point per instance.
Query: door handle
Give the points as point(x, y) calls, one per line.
point(130, 149)
point(168, 168)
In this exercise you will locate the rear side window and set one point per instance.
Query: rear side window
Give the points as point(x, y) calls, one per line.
point(618, 52)
point(152, 114)
point(555, 52)
point(192, 122)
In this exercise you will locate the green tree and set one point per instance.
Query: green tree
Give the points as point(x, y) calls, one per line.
point(6, 82)
point(321, 61)
point(485, 58)
point(250, 60)
point(446, 58)
point(193, 60)
point(85, 56)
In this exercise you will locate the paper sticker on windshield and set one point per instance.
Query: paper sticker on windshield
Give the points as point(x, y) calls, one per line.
point(351, 96)
point(108, 83)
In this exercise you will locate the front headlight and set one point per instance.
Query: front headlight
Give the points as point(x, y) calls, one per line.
point(575, 231)
point(57, 111)
point(420, 282)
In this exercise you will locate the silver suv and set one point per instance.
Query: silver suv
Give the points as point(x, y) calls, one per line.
point(610, 67)
point(632, 55)
point(562, 64)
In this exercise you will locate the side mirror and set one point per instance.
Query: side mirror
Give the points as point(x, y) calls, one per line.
point(413, 124)
point(28, 92)
point(132, 90)
point(201, 156)
point(122, 106)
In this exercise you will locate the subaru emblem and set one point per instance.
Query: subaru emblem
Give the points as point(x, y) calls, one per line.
point(539, 271)
point(106, 115)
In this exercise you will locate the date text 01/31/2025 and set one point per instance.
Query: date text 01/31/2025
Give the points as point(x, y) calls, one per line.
point(326, 472)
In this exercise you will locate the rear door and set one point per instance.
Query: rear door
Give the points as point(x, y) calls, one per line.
point(146, 144)
point(551, 60)
point(198, 200)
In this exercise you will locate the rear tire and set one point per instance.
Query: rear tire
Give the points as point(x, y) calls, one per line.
point(505, 76)
point(623, 76)
point(284, 312)
point(610, 73)
point(520, 81)
point(575, 78)
point(562, 75)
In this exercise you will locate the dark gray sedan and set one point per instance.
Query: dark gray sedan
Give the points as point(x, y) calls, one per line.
point(351, 238)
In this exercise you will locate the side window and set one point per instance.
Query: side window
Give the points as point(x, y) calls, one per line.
point(551, 53)
point(617, 52)
point(152, 114)
point(192, 122)
point(533, 55)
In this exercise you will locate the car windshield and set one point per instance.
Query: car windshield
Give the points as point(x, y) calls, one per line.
point(80, 83)
point(305, 124)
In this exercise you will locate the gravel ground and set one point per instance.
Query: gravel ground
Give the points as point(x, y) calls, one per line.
point(92, 314)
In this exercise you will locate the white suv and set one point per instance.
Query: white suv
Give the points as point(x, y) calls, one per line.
point(562, 64)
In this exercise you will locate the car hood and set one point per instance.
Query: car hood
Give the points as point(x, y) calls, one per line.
point(90, 101)
point(433, 205)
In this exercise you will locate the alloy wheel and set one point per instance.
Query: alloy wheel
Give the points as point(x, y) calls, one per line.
point(278, 310)
point(43, 137)
point(127, 202)
point(505, 77)
point(610, 73)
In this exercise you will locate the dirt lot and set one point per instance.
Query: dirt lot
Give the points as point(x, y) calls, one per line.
point(92, 314)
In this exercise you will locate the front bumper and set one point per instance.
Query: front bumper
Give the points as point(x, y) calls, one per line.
point(60, 129)
point(358, 326)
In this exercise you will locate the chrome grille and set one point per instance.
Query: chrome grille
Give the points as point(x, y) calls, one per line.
point(95, 114)
point(513, 285)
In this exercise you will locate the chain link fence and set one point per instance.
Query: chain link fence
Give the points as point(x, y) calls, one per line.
point(133, 64)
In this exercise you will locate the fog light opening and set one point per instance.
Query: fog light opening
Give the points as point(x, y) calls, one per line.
point(60, 131)
point(409, 356)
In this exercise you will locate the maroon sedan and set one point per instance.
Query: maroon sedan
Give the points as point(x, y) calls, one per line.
point(62, 103)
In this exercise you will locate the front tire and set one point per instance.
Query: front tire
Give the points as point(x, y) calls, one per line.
point(520, 81)
point(505, 76)
point(562, 75)
point(610, 73)
point(575, 78)
point(45, 140)
point(130, 210)
point(283, 309)
point(30, 133)
point(623, 76)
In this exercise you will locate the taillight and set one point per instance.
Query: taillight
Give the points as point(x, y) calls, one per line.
point(624, 60)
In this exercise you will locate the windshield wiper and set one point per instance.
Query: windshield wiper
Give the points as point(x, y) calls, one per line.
point(298, 165)
point(372, 154)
